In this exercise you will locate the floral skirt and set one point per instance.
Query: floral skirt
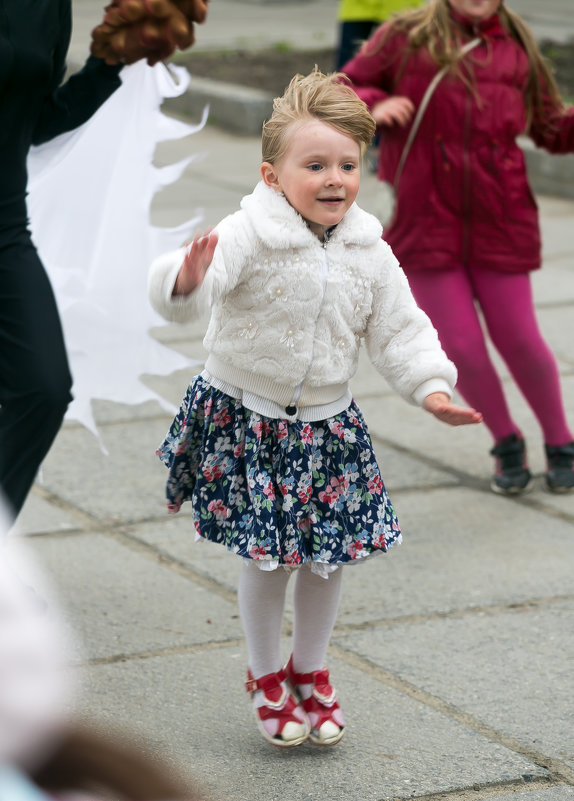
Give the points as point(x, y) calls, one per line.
point(271, 490)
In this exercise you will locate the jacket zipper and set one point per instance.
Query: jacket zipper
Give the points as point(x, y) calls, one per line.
point(445, 159)
point(324, 276)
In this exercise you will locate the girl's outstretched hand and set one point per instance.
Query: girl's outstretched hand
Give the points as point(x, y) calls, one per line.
point(438, 403)
point(393, 111)
point(197, 259)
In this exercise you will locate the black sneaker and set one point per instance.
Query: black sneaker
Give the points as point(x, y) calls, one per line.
point(512, 476)
point(560, 475)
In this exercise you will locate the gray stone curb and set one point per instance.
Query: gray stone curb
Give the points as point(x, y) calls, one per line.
point(236, 109)
point(242, 110)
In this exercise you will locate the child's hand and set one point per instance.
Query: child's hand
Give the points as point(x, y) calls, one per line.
point(394, 110)
point(197, 260)
point(438, 403)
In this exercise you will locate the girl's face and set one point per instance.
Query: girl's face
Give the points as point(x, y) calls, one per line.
point(476, 10)
point(319, 173)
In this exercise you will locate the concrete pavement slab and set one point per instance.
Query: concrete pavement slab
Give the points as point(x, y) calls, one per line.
point(122, 601)
point(215, 183)
point(554, 287)
point(394, 746)
point(128, 484)
point(43, 515)
point(173, 387)
point(184, 335)
point(458, 449)
point(461, 555)
point(174, 537)
point(522, 692)
point(476, 554)
point(555, 322)
point(119, 487)
point(553, 794)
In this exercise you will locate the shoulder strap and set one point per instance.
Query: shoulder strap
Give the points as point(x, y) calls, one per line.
point(423, 107)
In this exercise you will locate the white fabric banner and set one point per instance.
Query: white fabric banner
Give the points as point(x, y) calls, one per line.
point(90, 194)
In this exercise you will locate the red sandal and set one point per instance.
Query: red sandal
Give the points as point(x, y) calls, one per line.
point(325, 716)
point(281, 720)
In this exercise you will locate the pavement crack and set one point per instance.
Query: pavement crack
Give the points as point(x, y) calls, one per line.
point(151, 653)
point(466, 479)
point(561, 772)
point(486, 609)
point(87, 521)
point(477, 792)
point(547, 509)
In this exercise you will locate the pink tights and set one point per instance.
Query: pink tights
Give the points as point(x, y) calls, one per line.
point(505, 299)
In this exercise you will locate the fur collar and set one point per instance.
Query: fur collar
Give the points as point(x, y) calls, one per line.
point(278, 225)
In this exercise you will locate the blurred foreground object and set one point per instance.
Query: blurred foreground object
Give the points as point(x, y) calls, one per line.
point(150, 29)
point(35, 687)
point(97, 247)
point(89, 766)
point(44, 755)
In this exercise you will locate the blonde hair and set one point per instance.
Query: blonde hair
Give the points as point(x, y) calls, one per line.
point(433, 27)
point(316, 97)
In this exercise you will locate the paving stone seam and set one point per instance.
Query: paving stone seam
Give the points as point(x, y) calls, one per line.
point(340, 630)
point(154, 653)
point(59, 534)
point(84, 519)
point(93, 524)
point(73, 425)
point(480, 485)
point(180, 567)
point(467, 480)
point(526, 784)
point(545, 509)
point(560, 770)
point(555, 304)
point(464, 478)
point(453, 614)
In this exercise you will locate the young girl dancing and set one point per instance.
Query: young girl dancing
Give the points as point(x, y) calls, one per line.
point(466, 227)
point(269, 445)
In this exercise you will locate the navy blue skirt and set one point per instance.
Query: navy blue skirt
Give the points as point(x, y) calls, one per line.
point(271, 490)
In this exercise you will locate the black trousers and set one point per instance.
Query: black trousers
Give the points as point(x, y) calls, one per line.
point(35, 380)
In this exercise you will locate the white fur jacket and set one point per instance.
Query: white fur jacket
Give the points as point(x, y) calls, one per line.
point(288, 312)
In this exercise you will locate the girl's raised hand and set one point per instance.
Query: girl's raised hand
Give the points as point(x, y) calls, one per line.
point(438, 403)
point(197, 259)
point(394, 110)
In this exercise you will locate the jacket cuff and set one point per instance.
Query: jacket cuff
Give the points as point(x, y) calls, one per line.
point(430, 386)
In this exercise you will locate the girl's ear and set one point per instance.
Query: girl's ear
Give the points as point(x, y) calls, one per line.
point(270, 177)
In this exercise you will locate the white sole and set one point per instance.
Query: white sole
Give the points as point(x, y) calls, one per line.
point(276, 741)
point(514, 491)
point(330, 741)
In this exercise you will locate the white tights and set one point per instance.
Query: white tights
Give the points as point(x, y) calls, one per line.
point(261, 604)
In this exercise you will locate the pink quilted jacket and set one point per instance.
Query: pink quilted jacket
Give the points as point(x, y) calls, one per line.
point(464, 196)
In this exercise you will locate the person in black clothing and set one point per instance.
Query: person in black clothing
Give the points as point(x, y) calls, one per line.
point(35, 381)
